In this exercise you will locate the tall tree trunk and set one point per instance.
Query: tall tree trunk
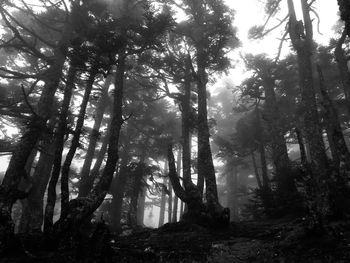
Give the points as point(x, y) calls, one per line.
point(176, 199)
point(205, 159)
point(82, 208)
point(118, 195)
point(59, 145)
point(301, 37)
point(41, 178)
point(170, 202)
point(341, 151)
point(75, 140)
point(8, 189)
point(99, 158)
point(342, 63)
point(284, 179)
point(261, 147)
point(94, 136)
point(24, 222)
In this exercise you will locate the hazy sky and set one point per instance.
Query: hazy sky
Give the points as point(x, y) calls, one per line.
point(251, 12)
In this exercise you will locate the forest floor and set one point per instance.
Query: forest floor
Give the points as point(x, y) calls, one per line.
point(268, 241)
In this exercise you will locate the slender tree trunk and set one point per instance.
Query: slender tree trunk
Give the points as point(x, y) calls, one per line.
point(9, 187)
point(170, 202)
point(342, 63)
point(81, 208)
point(256, 171)
point(99, 158)
point(340, 149)
point(75, 141)
point(94, 136)
point(162, 203)
point(301, 147)
point(176, 199)
point(59, 145)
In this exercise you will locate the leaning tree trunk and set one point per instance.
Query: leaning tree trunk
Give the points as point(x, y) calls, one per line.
point(80, 209)
point(318, 193)
point(75, 140)
point(94, 136)
point(9, 187)
point(59, 145)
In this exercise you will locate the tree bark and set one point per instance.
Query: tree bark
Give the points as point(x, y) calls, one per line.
point(162, 204)
point(340, 150)
point(81, 208)
point(94, 136)
point(59, 145)
point(256, 171)
point(261, 147)
point(75, 140)
point(176, 199)
point(37, 125)
point(205, 159)
point(170, 202)
point(301, 37)
point(284, 179)
point(118, 195)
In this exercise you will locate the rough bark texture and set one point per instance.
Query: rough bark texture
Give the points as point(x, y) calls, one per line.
point(176, 199)
point(205, 159)
point(85, 179)
point(59, 145)
point(301, 37)
point(75, 141)
point(170, 202)
point(261, 148)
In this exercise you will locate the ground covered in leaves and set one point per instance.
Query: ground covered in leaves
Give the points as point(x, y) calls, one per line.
point(265, 241)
